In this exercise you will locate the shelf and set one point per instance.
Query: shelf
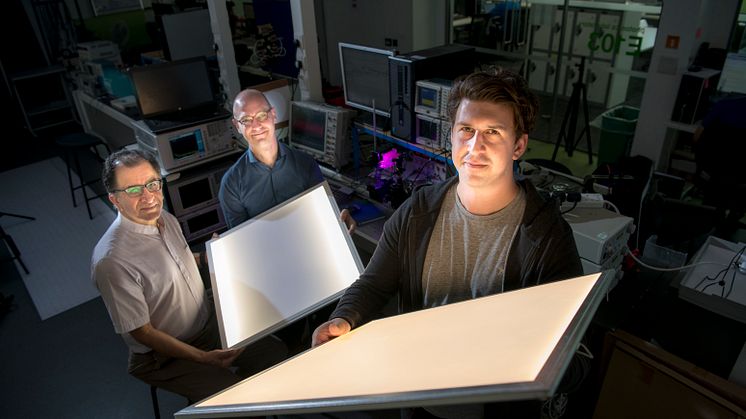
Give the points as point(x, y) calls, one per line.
point(683, 165)
point(683, 154)
point(41, 94)
point(51, 107)
point(439, 155)
point(32, 74)
point(682, 126)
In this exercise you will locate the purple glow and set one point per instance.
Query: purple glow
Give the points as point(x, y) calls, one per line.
point(388, 159)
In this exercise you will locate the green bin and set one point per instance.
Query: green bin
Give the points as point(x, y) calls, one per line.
point(617, 129)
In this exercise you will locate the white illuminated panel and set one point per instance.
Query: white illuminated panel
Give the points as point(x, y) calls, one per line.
point(509, 346)
point(280, 265)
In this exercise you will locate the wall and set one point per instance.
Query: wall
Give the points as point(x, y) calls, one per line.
point(429, 23)
point(366, 23)
point(415, 24)
point(694, 22)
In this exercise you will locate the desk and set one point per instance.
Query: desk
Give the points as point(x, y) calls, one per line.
point(357, 128)
point(366, 234)
point(190, 192)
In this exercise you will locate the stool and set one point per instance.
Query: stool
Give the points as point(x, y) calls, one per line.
point(72, 144)
point(154, 399)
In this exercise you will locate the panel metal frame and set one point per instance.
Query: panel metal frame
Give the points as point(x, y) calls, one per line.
point(543, 387)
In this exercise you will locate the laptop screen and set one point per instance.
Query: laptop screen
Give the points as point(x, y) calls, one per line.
point(173, 87)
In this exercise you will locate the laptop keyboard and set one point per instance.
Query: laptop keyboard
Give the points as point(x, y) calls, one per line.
point(174, 121)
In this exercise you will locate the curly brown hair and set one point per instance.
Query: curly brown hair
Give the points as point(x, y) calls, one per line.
point(497, 86)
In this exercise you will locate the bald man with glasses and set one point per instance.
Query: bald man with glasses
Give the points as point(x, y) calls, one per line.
point(269, 172)
point(266, 175)
point(151, 286)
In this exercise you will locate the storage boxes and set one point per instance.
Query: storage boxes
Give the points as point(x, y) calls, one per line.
point(660, 256)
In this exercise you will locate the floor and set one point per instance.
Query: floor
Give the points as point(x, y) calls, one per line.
point(73, 365)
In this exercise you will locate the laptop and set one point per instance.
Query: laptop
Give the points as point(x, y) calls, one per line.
point(175, 121)
point(176, 94)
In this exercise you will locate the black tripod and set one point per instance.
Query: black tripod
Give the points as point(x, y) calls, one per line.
point(570, 121)
point(9, 240)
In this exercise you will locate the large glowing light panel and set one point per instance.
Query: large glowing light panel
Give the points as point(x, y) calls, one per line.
point(509, 346)
point(280, 266)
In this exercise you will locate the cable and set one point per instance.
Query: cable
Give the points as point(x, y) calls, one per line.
point(709, 285)
point(584, 351)
point(732, 281)
point(430, 161)
point(642, 199)
point(734, 262)
point(724, 272)
point(609, 203)
point(657, 268)
point(574, 204)
point(547, 181)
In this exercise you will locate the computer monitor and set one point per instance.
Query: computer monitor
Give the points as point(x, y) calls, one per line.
point(322, 130)
point(173, 87)
point(365, 77)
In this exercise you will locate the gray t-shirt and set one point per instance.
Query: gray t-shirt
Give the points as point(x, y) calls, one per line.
point(148, 274)
point(467, 253)
point(466, 259)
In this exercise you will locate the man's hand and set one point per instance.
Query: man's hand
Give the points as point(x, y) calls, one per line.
point(346, 218)
point(170, 346)
point(330, 330)
point(222, 357)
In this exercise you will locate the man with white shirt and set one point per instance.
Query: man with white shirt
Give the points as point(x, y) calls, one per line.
point(150, 283)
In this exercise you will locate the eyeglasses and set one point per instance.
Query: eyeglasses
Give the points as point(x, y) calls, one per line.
point(136, 191)
point(259, 117)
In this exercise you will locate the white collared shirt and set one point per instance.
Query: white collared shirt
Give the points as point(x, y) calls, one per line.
point(147, 273)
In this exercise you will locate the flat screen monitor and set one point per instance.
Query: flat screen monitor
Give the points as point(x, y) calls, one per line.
point(173, 87)
point(365, 77)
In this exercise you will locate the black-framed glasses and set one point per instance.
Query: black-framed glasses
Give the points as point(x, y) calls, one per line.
point(136, 191)
point(260, 117)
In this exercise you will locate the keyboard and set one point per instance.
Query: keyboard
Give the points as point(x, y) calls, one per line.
point(175, 121)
